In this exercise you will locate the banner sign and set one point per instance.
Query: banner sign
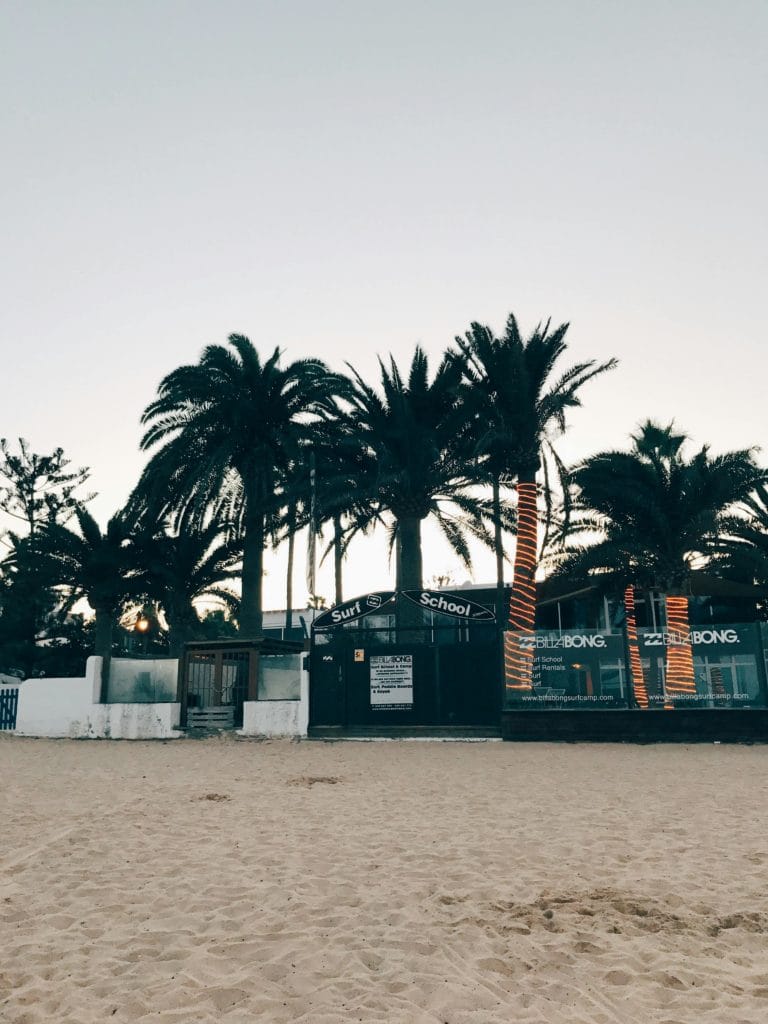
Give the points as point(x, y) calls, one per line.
point(696, 637)
point(348, 611)
point(392, 682)
point(457, 607)
point(583, 669)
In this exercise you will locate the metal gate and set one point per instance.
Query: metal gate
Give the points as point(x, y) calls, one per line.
point(9, 703)
point(215, 686)
point(445, 685)
point(218, 677)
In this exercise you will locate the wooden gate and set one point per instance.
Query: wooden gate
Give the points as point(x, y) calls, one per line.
point(215, 686)
point(217, 678)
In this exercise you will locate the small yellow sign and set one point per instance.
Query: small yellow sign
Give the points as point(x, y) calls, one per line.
point(359, 654)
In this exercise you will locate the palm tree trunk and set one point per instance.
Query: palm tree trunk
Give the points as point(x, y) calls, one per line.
point(102, 646)
point(680, 680)
point(289, 575)
point(518, 659)
point(180, 629)
point(635, 664)
point(409, 570)
point(253, 570)
point(337, 560)
point(410, 564)
point(498, 545)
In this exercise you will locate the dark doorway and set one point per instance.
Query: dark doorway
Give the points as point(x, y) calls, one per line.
point(376, 681)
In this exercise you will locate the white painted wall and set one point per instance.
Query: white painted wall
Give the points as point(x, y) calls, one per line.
point(273, 718)
point(134, 721)
point(58, 707)
point(70, 707)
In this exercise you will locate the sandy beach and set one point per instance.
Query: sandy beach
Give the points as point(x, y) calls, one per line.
point(454, 883)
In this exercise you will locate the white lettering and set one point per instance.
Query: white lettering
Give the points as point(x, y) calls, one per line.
point(340, 614)
point(442, 604)
point(696, 636)
point(538, 642)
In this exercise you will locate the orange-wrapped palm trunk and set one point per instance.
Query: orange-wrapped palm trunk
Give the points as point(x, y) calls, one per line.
point(518, 656)
point(635, 664)
point(680, 681)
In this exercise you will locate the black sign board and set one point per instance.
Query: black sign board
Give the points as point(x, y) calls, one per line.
point(355, 609)
point(456, 605)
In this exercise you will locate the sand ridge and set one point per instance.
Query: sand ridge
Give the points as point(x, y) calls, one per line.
point(226, 880)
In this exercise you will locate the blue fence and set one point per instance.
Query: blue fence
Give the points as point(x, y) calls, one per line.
point(9, 703)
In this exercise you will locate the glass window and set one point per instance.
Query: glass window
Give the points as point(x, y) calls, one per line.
point(279, 677)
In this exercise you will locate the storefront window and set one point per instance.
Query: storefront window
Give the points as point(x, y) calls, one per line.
point(726, 667)
point(568, 669)
point(590, 668)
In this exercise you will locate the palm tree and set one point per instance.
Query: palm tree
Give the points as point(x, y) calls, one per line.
point(175, 569)
point(639, 688)
point(490, 368)
point(92, 565)
point(744, 551)
point(229, 426)
point(344, 474)
point(520, 412)
point(660, 515)
point(411, 431)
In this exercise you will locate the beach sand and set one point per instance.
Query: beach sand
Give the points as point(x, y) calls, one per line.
point(467, 883)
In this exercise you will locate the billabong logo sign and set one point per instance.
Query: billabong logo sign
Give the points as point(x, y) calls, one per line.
point(536, 641)
point(351, 610)
point(669, 638)
point(458, 607)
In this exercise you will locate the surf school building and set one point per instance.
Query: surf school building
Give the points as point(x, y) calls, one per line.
point(374, 672)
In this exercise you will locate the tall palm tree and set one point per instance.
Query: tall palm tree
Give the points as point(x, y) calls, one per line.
point(92, 565)
point(411, 431)
point(490, 368)
point(659, 516)
point(344, 475)
point(639, 687)
point(522, 411)
point(229, 426)
point(175, 569)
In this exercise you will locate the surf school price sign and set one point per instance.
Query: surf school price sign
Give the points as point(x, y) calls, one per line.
point(392, 682)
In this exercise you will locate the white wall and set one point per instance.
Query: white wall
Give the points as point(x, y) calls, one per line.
point(134, 721)
point(70, 707)
point(273, 718)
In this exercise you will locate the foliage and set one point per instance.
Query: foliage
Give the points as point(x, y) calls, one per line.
point(229, 427)
point(518, 410)
point(39, 489)
point(742, 553)
point(92, 565)
point(176, 568)
point(344, 471)
point(412, 433)
point(29, 604)
point(217, 625)
point(657, 514)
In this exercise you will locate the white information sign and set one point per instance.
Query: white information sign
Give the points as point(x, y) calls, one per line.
point(392, 682)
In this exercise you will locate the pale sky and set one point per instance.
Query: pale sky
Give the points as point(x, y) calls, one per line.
point(347, 179)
